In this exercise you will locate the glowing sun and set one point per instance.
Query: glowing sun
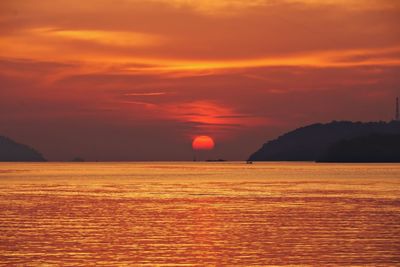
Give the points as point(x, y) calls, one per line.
point(203, 142)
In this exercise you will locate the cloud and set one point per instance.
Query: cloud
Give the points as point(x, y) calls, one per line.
point(173, 35)
point(108, 38)
point(203, 116)
point(146, 94)
point(235, 7)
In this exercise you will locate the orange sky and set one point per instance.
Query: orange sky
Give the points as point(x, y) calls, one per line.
point(136, 80)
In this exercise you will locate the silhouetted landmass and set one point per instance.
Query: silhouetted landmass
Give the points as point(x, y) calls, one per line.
point(372, 148)
point(309, 143)
point(13, 151)
point(78, 159)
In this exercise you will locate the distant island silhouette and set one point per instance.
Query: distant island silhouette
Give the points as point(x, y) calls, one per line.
point(78, 159)
point(337, 141)
point(215, 160)
point(13, 151)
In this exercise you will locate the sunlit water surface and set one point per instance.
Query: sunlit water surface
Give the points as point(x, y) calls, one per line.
point(189, 214)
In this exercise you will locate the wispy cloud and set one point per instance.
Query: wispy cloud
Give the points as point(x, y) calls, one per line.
point(108, 38)
point(170, 36)
point(210, 116)
point(146, 94)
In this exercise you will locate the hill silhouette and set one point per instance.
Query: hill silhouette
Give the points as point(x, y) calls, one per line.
point(311, 142)
point(372, 148)
point(13, 151)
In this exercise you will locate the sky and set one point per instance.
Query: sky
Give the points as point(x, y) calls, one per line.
point(120, 80)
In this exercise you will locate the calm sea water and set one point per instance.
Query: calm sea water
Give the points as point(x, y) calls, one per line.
point(194, 214)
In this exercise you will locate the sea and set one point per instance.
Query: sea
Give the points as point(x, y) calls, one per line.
point(199, 214)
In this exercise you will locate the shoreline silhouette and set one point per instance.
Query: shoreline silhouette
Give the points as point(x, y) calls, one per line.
point(316, 142)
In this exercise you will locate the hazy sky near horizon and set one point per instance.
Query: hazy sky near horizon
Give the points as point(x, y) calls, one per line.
point(138, 79)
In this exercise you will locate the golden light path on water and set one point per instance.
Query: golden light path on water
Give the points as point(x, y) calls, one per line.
point(194, 214)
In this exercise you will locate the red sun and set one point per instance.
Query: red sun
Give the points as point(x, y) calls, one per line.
point(203, 142)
